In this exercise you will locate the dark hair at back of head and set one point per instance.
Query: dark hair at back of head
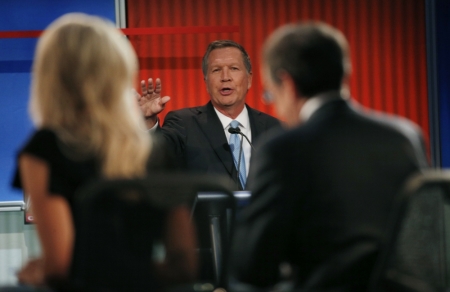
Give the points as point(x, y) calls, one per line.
point(220, 44)
point(314, 54)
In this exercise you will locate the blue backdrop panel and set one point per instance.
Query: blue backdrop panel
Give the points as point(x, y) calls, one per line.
point(16, 57)
point(443, 57)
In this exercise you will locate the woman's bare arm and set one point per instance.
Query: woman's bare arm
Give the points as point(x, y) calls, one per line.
point(52, 216)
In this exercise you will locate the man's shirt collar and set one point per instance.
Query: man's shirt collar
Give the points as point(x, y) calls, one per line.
point(242, 118)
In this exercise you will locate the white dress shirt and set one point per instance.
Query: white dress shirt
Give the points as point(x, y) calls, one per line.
point(244, 125)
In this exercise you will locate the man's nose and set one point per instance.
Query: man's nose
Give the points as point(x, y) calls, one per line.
point(226, 76)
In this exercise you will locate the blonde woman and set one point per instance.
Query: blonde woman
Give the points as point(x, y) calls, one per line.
point(87, 127)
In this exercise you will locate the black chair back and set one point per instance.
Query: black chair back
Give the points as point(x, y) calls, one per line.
point(413, 258)
point(119, 225)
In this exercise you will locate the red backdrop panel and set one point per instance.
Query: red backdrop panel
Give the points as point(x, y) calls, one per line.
point(387, 41)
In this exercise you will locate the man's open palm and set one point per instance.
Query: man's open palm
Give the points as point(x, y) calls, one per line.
point(151, 102)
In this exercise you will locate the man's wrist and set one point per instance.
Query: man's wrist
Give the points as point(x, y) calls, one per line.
point(151, 121)
point(151, 118)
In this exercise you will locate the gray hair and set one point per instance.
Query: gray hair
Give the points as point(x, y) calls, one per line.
point(220, 44)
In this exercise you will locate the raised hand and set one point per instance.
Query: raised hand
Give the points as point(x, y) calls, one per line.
point(151, 102)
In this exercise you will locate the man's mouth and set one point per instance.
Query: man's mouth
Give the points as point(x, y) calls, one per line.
point(226, 91)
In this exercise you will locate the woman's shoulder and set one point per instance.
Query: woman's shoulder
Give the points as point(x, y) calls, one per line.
point(40, 144)
point(42, 134)
point(41, 141)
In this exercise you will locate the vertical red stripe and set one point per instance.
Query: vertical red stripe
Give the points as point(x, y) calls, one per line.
point(399, 58)
point(293, 10)
point(203, 40)
point(388, 51)
point(304, 10)
point(373, 56)
point(410, 104)
point(329, 12)
point(363, 23)
point(353, 38)
point(420, 78)
point(340, 17)
point(316, 10)
point(260, 33)
point(191, 46)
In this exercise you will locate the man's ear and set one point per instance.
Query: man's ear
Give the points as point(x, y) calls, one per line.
point(288, 84)
point(250, 79)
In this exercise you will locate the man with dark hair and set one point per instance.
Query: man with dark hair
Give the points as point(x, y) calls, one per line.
point(322, 190)
point(199, 136)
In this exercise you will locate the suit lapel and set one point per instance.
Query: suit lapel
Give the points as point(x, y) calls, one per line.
point(257, 126)
point(211, 126)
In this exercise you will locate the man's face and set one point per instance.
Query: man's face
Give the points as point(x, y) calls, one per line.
point(227, 80)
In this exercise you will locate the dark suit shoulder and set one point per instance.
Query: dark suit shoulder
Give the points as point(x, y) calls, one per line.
point(182, 118)
point(407, 129)
point(398, 123)
point(185, 112)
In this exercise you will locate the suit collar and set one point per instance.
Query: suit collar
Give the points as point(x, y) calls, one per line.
point(257, 125)
point(330, 108)
point(316, 102)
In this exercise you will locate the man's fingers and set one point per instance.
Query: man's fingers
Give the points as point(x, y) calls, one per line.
point(143, 87)
point(164, 100)
point(150, 86)
point(158, 86)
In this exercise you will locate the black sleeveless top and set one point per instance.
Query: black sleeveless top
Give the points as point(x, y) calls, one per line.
point(67, 174)
point(68, 171)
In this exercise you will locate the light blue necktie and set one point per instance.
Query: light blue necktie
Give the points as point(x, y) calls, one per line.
point(235, 145)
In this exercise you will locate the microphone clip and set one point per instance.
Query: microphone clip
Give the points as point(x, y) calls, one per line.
point(232, 130)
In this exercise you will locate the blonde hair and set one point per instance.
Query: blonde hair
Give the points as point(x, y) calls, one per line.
point(83, 73)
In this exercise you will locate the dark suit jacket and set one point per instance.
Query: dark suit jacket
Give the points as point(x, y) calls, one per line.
point(198, 141)
point(321, 197)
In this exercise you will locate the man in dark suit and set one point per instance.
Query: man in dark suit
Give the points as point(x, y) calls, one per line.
point(323, 189)
point(199, 136)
